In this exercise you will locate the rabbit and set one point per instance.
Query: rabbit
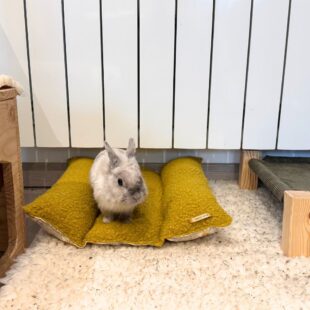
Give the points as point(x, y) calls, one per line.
point(117, 182)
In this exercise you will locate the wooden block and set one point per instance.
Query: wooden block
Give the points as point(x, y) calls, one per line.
point(247, 178)
point(296, 224)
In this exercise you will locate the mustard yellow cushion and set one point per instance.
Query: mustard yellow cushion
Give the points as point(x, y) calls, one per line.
point(180, 206)
point(187, 196)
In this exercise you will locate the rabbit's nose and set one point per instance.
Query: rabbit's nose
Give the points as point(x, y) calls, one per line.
point(134, 190)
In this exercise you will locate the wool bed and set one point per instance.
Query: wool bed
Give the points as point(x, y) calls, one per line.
point(280, 174)
point(180, 206)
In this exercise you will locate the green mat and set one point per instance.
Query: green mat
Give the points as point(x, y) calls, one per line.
point(283, 173)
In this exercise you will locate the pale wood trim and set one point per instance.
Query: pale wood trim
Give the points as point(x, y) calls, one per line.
point(247, 178)
point(296, 223)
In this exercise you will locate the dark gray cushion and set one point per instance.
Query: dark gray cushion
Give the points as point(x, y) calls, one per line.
point(283, 173)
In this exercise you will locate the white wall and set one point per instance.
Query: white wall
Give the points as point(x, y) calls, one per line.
point(190, 74)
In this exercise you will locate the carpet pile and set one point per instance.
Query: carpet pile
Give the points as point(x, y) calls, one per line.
point(239, 267)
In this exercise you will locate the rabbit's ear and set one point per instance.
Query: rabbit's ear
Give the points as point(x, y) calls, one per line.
point(114, 159)
point(131, 149)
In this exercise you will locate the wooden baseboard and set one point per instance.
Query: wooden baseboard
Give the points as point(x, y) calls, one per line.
point(46, 174)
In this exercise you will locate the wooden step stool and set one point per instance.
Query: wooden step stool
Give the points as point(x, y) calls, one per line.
point(12, 227)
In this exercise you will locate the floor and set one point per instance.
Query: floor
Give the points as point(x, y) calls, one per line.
point(239, 267)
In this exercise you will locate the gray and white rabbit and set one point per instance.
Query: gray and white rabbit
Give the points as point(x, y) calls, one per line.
point(118, 186)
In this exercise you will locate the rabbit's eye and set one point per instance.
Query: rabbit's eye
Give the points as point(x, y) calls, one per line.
point(120, 182)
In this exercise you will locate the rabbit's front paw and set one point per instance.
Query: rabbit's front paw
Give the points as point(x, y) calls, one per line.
point(107, 219)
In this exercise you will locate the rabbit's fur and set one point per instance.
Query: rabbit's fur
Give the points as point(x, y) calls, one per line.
point(118, 186)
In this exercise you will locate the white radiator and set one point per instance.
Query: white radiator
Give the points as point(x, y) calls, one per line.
point(195, 74)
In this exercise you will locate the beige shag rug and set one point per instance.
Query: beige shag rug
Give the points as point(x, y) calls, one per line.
point(240, 267)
